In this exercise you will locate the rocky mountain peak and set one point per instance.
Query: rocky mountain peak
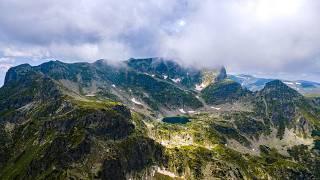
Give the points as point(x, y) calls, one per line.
point(276, 84)
point(17, 73)
point(276, 89)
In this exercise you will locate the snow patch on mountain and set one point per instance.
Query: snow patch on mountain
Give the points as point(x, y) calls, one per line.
point(90, 95)
point(200, 87)
point(288, 83)
point(216, 108)
point(177, 80)
point(135, 101)
point(182, 111)
point(165, 76)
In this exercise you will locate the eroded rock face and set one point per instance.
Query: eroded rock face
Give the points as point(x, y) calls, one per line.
point(133, 155)
point(222, 170)
point(59, 155)
point(18, 73)
point(108, 124)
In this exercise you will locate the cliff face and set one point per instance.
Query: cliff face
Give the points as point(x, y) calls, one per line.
point(101, 121)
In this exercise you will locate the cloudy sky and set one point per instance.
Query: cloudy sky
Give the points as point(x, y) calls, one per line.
point(279, 38)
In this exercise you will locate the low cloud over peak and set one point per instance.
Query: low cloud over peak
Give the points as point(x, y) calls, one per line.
point(250, 36)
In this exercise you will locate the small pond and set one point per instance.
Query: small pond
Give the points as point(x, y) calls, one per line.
point(176, 120)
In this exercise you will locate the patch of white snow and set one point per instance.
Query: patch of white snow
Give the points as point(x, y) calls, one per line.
point(165, 76)
point(201, 86)
point(182, 111)
point(90, 95)
point(288, 83)
point(216, 108)
point(177, 80)
point(135, 101)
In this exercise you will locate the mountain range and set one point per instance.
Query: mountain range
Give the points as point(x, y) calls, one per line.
point(155, 119)
point(307, 88)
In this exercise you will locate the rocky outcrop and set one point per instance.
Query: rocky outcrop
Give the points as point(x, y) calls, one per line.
point(58, 157)
point(133, 155)
point(226, 91)
point(102, 123)
point(18, 73)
